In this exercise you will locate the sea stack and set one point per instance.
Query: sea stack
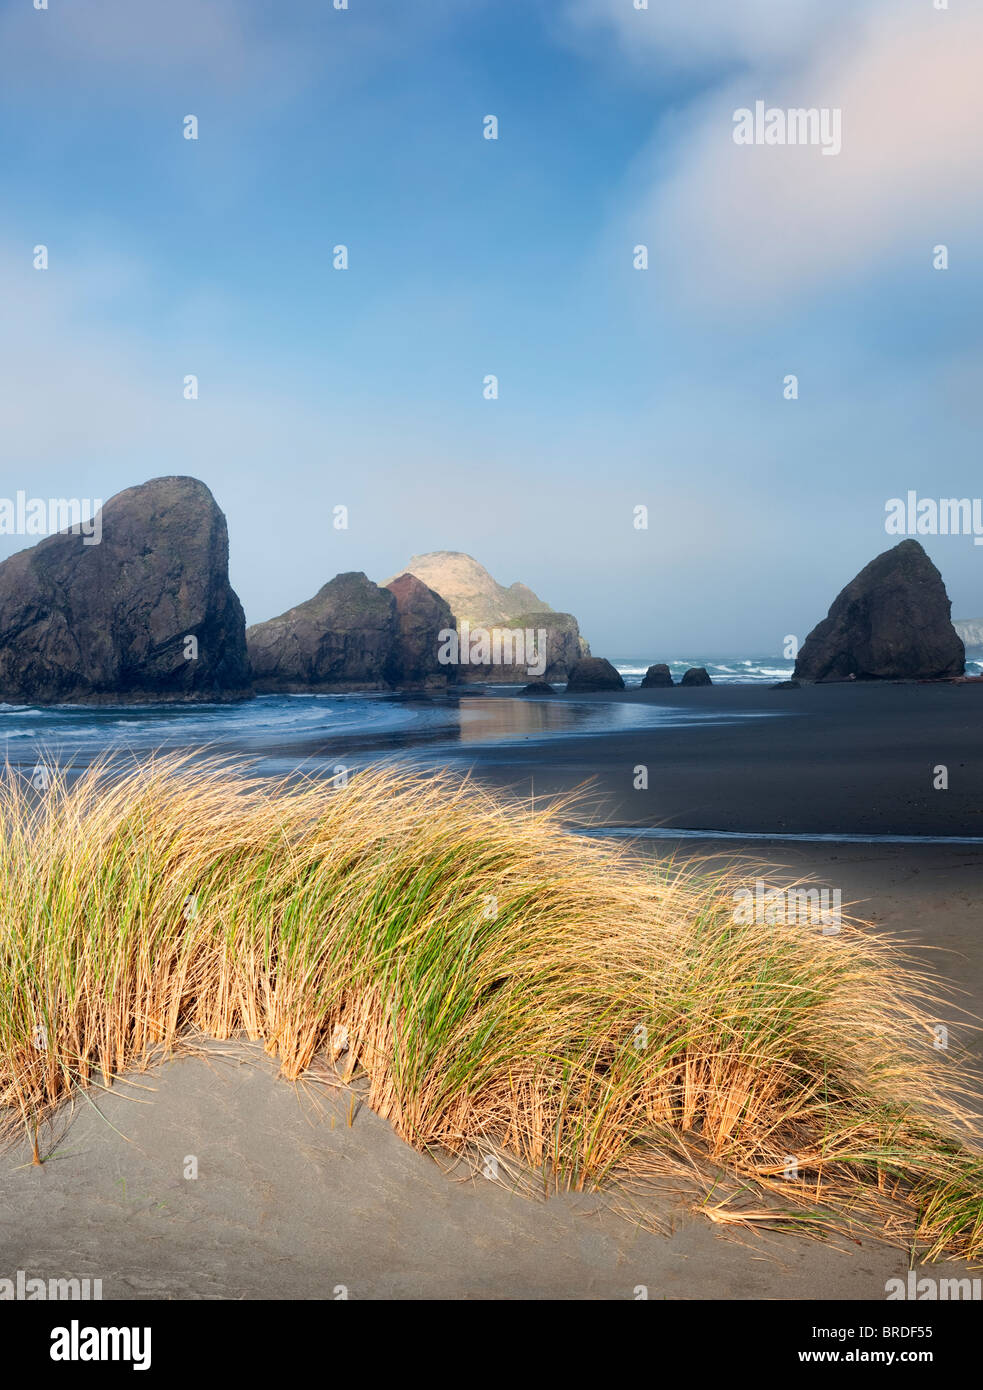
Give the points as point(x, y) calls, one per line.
point(422, 615)
point(144, 613)
point(657, 677)
point(892, 622)
point(344, 638)
point(696, 675)
point(594, 673)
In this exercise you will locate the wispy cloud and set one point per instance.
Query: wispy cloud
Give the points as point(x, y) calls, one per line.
point(740, 226)
point(732, 31)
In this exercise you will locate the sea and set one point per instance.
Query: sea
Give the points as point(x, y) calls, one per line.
point(326, 735)
point(740, 670)
point(723, 671)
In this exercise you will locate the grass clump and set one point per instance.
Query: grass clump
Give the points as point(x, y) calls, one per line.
point(499, 981)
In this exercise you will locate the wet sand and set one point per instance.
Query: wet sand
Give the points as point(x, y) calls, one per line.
point(849, 758)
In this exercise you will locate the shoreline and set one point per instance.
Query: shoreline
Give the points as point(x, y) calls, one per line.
point(848, 759)
point(852, 758)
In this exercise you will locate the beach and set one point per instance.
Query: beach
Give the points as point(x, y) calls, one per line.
point(301, 1190)
point(848, 759)
point(843, 759)
point(292, 1202)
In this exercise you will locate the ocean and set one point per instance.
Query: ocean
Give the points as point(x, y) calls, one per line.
point(723, 671)
point(736, 670)
point(279, 734)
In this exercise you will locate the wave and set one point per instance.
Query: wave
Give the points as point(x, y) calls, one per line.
point(722, 670)
point(279, 733)
point(271, 718)
point(662, 832)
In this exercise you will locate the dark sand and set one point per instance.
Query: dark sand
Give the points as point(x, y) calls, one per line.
point(850, 758)
point(292, 1202)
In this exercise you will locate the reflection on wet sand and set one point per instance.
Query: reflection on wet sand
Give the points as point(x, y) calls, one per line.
point(315, 735)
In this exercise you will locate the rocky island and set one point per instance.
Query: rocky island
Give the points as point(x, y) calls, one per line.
point(344, 638)
point(354, 635)
point(146, 614)
point(891, 622)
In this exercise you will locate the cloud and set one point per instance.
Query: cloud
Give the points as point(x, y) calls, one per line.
point(87, 400)
point(755, 225)
point(690, 34)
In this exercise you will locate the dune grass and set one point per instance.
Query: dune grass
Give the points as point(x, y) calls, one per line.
point(501, 983)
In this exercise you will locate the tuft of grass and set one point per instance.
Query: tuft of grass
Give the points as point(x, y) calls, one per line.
point(501, 983)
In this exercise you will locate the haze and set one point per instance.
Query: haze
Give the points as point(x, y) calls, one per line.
point(469, 257)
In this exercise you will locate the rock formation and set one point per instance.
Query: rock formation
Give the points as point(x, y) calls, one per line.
point(145, 614)
point(696, 675)
point(422, 616)
point(594, 673)
point(657, 677)
point(480, 604)
point(346, 637)
point(535, 688)
point(471, 591)
point(892, 622)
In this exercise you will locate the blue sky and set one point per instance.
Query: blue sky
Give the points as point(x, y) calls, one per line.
point(514, 257)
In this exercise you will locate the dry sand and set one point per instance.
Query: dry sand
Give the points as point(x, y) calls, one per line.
point(292, 1202)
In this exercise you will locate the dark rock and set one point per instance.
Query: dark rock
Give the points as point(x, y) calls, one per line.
point(594, 673)
point(786, 685)
point(422, 616)
point(344, 638)
point(538, 688)
point(110, 622)
point(696, 675)
point(892, 622)
point(657, 677)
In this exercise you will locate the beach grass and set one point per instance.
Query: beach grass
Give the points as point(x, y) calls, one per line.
point(501, 984)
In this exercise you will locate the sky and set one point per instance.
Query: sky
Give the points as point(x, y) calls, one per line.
point(469, 257)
